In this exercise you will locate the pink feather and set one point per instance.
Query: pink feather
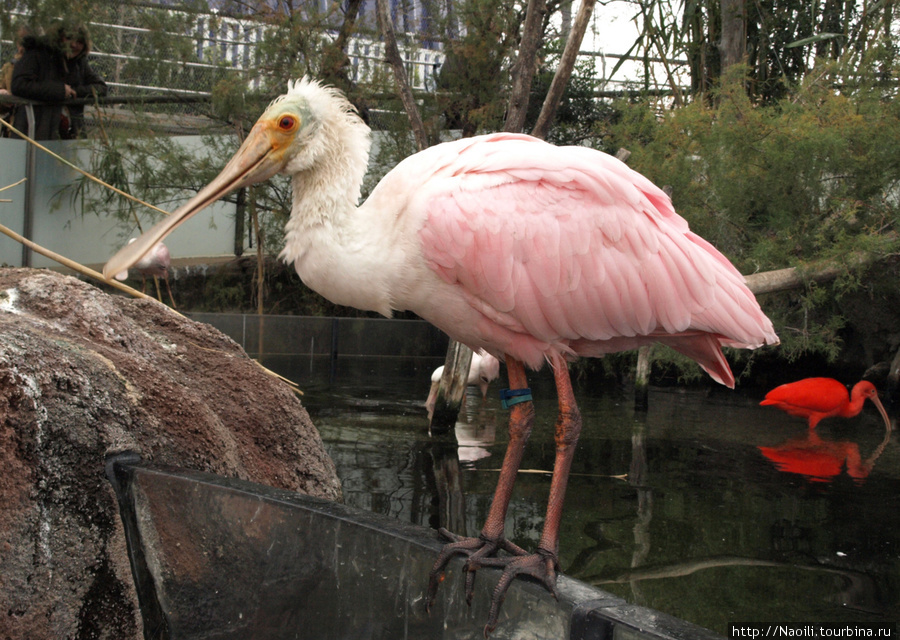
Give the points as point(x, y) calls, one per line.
point(581, 251)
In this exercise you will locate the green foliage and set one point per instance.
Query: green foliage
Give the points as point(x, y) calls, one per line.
point(782, 41)
point(809, 181)
point(579, 111)
point(472, 86)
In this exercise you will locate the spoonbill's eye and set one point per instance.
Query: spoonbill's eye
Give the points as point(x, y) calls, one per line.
point(287, 123)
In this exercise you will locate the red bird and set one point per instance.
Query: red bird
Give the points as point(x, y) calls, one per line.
point(821, 460)
point(818, 398)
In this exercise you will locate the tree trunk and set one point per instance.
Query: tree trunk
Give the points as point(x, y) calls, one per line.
point(452, 389)
point(335, 62)
point(733, 45)
point(564, 70)
point(642, 379)
point(392, 52)
point(524, 68)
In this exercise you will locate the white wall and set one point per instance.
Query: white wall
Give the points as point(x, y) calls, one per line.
point(83, 236)
point(90, 239)
point(12, 169)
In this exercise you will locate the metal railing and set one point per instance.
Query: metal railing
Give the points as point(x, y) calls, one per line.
point(129, 58)
point(134, 58)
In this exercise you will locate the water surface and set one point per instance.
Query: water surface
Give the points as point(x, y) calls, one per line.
point(706, 506)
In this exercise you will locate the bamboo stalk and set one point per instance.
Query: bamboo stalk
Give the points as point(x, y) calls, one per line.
point(73, 265)
point(87, 175)
point(10, 186)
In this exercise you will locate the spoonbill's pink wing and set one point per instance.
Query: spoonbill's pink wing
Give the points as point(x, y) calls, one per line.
point(570, 246)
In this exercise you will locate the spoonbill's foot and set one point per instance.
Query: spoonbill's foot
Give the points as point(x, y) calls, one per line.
point(481, 552)
point(540, 566)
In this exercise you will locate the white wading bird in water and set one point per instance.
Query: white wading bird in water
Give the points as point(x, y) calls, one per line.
point(483, 370)
point(535, 253)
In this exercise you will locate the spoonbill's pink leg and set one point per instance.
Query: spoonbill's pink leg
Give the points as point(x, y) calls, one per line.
point(491, 539)
point(543, 564)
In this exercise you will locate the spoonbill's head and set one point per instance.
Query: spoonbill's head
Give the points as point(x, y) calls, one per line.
point(488, 371)
point(309, 129)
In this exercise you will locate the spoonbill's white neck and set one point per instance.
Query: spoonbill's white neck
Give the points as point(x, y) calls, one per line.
point(337, 247)
point(326, 179)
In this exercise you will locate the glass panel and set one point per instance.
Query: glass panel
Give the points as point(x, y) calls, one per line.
point(229, 559)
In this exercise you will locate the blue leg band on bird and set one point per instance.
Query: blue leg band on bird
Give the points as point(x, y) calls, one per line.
point(509, 397)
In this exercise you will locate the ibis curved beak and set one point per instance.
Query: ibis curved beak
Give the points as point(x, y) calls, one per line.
point(887, 421)
point(257, 159)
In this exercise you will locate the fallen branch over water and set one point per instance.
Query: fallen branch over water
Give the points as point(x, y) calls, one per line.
point(797, 277)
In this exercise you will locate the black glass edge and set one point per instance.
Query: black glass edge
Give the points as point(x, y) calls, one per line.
point(120, 468)
point(592, 619)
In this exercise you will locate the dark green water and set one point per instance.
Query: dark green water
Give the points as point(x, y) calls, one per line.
point(676, 508)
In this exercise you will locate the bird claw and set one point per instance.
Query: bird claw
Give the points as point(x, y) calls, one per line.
point(481, 552)
point(541, 566)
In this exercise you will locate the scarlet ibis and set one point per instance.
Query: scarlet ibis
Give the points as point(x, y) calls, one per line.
point(822, 460)
point(483, 370)
point(818, 398)
point(531, 252)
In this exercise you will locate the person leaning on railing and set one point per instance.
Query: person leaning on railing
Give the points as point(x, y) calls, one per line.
point(6, 72)
point(52, 69)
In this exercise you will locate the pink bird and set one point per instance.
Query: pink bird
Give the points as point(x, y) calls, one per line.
point(534, 253)
point(154, 264)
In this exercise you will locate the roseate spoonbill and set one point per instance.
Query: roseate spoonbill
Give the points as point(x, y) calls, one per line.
point(483, 370)
point(154, 264)
point(531, 252)
point(819, 398)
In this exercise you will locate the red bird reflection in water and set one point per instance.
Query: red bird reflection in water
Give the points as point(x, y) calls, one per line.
point(823, 460)
point(819, 398)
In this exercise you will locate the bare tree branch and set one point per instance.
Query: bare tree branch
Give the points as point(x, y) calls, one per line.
point(794, 278)
point(393, 57)
point(564, 70)
point(524, 68)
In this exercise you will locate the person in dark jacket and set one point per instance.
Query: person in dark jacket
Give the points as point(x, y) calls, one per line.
point(52, 69)
point(80, 75)
point(7, 111)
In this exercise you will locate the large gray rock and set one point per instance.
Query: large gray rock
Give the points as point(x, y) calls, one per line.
point(84, 374)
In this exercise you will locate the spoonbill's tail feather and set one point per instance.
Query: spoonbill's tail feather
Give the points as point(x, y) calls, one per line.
point(704, 350)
